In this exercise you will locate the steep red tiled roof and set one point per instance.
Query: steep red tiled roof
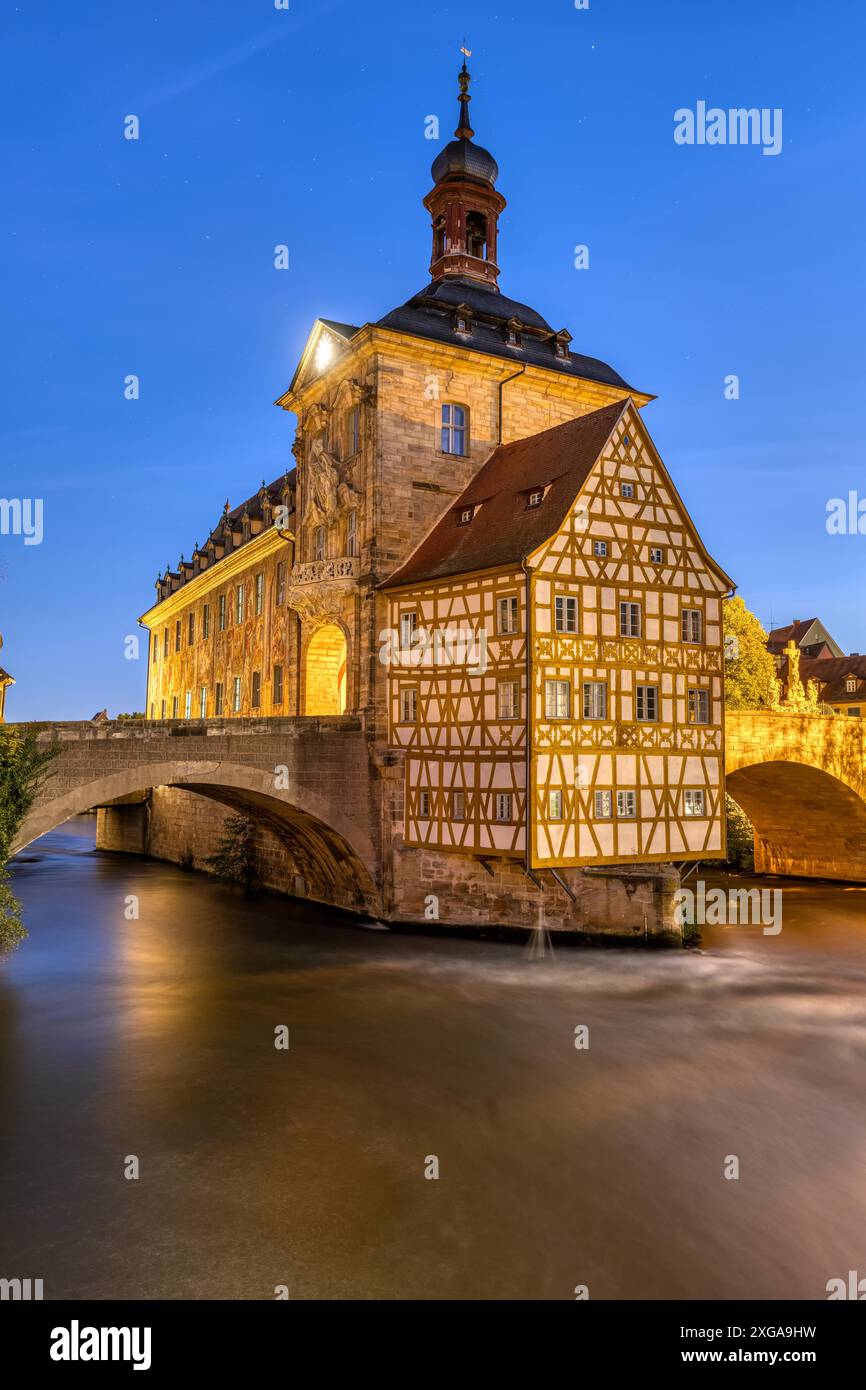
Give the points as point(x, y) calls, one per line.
point(504, 530)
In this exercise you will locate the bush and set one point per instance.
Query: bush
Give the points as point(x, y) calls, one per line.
point(741, 837)
point(22, 765)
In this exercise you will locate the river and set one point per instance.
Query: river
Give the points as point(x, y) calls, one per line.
point(153, 1039)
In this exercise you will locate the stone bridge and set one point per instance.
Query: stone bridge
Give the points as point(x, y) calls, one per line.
point(801, 779)
point(306, 780)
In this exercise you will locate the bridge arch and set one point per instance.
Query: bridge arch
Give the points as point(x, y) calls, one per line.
point(297, 788)
point(801, 780)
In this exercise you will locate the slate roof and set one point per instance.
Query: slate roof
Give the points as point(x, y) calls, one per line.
point(503, 529)
point(432, 314)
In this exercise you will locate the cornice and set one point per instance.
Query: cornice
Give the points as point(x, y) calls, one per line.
point(267, 543)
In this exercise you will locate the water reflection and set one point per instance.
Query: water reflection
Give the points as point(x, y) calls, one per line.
point(258, 1167)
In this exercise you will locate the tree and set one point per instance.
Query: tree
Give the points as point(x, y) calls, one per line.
point(235, 858)
point(22, 765)
point(750, 676)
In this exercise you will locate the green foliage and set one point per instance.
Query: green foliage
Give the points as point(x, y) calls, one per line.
point(138, 714)
point(12, 932)
point(741, 836)
point(22, 764)
point(235, 857)
point(750, 675)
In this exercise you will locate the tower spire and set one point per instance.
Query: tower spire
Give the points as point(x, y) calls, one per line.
point(464, 129)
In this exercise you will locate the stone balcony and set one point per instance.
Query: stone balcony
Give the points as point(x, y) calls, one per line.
point(317, 589)
point(342, 567)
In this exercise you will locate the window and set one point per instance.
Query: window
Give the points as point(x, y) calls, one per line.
point(236, 694)
point(647, 703)
point(424, 805)
point(566, 613)
point(536, 497)
point(692, 624)
point(165, 643)
point(626, 489)
point(853, 712)
point(177, 635)
point(218, 698)
point(699, 707)
point(851, 684)
point(466, 515)
point(503, 806)
point(190, 629)
point(506, 615)
point(256, 695)
point(693, 803)
point(259, 592)
point(278, 685)
point(599, 549)
point(625, 805)
point(454, 429)
point(155, 649)
point(240, 598)
point(319, 543)
point(657, 555)
point(629, 620)
point(353, 430)
point(221, 612)
point(557, 699)
point(281, 579)
point(458, 805)
point(408, 704)
point(205, 621)
point(162, 709)
point(408, 629)
point(561, 349)
point(604, 805)
point(352, 532)
point(595, 700)
point(554, 806)
point(174, 707)
point(152, 707)
point(508, 699)
point(202, 702)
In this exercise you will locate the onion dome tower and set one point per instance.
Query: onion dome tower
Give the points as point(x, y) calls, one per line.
point(464, 205)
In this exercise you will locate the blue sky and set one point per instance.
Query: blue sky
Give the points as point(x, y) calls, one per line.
point(261, 126)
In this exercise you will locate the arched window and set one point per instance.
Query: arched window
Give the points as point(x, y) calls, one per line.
point(319, 543)
point(476, 235)
point(352, 532)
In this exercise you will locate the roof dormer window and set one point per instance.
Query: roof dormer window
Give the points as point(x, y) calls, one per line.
point(512, 333)
point(536, 497)
point(561, 342)
point(851, 684)
point(463, 319)
point(465, 515)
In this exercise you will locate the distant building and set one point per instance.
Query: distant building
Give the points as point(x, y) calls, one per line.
point(810, 636)
point(841, 681)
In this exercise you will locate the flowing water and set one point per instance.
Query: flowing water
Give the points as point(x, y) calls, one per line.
point(258, 1167)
